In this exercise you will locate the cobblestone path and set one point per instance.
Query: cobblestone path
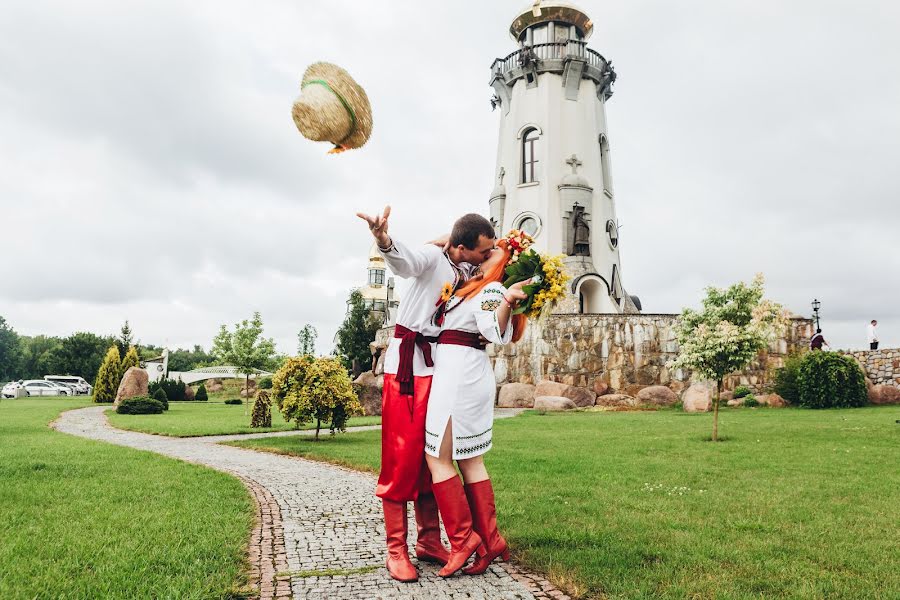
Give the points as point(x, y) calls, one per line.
point(314, 517)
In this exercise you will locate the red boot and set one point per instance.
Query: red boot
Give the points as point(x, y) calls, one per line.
point(458, 522)
point(398, 564)
point(429, 547)
point(484, 515)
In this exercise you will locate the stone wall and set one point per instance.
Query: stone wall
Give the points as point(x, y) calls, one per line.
point(882, 367)
point(622, 352)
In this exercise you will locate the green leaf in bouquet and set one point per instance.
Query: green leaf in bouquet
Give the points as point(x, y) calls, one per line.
point(528, 265)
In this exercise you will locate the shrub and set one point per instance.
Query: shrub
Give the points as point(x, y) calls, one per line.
point(201, 395)
point(234, 401)
point(139, 405)
point(741, 391)
point(316, 389)
point(174, 389)
point(265, 383)
point(786, 379)
point(750, 401)
point(830, 380)
point(160, 396)
point(130, 359)
point(262, 410)
point(107, 383)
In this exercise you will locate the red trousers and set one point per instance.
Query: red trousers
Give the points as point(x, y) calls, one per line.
point(404, 474)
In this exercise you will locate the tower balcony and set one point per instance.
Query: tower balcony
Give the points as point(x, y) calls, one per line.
point(569, 58)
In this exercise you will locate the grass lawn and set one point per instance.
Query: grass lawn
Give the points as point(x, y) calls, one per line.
point(85, 519)
point(794, 503)
point(188, 419)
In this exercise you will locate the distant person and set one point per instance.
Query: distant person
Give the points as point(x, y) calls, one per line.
point(873, 335)
point(818, 341)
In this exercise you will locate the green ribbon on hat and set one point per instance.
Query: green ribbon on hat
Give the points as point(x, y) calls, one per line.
point(346, 104)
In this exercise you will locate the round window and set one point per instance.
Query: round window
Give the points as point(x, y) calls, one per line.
point(529, 223)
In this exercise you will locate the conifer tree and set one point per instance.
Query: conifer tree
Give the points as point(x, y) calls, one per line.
point(107, 382)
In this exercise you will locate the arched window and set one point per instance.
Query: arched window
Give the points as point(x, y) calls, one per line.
point(530, 160)
point(604, 165)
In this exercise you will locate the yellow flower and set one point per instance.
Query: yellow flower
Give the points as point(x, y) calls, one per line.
point(447, 292)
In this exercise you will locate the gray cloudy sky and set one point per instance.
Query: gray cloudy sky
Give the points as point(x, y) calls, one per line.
point(150, 170)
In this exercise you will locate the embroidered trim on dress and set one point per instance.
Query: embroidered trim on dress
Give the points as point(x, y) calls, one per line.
point(431, 434)
point(469, 437)
point(431, 447)
point(475, 448)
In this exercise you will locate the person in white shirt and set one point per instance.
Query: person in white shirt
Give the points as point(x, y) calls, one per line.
point(873, 335)
point(408, 368)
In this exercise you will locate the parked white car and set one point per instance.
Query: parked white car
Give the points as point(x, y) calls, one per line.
point(39, 387)
point(9, 390)
point(78, 383)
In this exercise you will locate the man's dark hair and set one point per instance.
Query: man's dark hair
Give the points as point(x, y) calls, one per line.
point(468, 228)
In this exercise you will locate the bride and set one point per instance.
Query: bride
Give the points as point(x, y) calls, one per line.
point(460, 415)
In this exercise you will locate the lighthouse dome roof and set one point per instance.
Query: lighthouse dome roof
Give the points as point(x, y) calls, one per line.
point(574, 180)
point(544, 12)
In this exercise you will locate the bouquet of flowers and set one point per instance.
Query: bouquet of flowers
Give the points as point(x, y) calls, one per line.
point(546, 273)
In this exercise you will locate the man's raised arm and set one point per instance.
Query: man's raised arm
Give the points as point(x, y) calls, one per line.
point(403, 261)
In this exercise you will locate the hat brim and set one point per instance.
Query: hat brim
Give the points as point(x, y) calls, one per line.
point(353, 93)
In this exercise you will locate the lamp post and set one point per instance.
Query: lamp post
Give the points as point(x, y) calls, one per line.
point(815, 305)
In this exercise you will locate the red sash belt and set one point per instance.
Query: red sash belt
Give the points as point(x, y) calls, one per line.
point(409, 339)
point(461, 338)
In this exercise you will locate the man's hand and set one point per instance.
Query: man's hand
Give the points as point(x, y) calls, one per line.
point(442, 242)
point(378, 225)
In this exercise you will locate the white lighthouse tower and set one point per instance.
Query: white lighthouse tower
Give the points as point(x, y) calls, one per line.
point(554, 177)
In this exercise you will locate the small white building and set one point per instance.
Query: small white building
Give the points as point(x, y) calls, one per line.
point(554, 171)
point(379, 292)
point(157, 367)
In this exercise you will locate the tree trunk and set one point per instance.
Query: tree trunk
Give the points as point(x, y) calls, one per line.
point(318, 425)
point(715, 436)
point(246, 387)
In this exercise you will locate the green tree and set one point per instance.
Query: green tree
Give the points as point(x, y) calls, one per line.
point(188, 360)
point(831, 380)
point(732, 328)
point(201, 395)
point(125, 339)
point(355, 334)
point(245, 348)
point(37, 352)
point(79, 354)
point(10, 352)
point(107, 382)
point(306, 340)
point(315, 389)
point(130, 360)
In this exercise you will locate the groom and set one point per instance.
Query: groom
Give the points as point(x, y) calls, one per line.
point(407, 380)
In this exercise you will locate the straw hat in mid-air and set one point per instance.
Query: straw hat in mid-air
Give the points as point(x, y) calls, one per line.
point(332, 107)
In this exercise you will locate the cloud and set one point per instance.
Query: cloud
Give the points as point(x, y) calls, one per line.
point(150, 169)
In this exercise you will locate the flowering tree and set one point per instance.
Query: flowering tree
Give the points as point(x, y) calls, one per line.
point(319, 389)
point(731, 329)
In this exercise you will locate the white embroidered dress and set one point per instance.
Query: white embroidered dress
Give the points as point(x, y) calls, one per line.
point(463, 385)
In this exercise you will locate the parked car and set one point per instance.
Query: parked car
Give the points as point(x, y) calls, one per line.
point(9, 390)
point(39, 387)
point(80, 385)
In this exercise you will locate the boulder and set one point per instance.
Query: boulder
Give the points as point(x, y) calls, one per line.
point(658, 395)
point(616, 400)
point(551, 403)
point(600, 387)
point(736, 402)
point(579, 395)
point(214, 385)
point(634, 389)
point(368, 389)
point(546, 387)
point(189, 393)
point(773, 400)
point(516, 395)
point(135, 382)
point(884, 394)
point(697, 398)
